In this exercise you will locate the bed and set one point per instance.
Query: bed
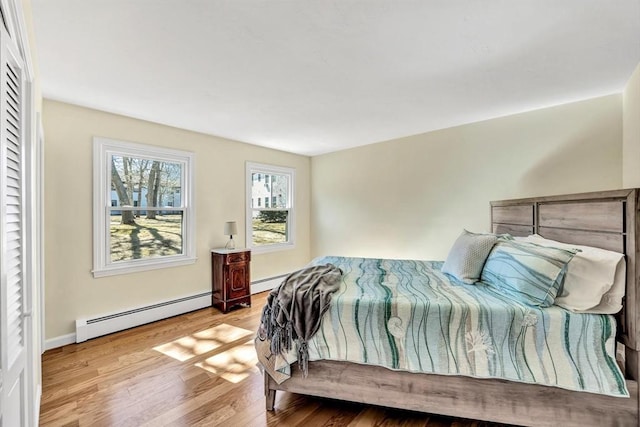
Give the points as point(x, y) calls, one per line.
point(603, 219)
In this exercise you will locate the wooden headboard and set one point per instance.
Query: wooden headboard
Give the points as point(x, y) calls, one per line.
point(603, 219)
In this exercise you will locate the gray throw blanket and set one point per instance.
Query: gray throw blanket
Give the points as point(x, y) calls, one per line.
point(295, 308)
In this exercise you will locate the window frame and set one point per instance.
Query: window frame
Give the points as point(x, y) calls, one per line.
point(262, 168)
point(103, 150)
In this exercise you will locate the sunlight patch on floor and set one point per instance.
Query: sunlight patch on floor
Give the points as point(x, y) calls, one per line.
point(233, 365)
point(202, 342)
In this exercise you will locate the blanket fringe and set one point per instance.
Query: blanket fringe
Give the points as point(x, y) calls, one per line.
point(288, 342)
point(275, 343)
point(268, 324)
point(303, 357)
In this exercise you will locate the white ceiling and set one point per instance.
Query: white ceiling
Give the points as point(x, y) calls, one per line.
point(315, 76)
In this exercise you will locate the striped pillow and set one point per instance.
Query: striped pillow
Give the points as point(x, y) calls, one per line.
point(527, 272)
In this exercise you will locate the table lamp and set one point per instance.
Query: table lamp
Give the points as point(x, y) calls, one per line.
point(230, 228)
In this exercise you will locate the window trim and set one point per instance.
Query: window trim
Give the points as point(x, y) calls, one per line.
point(103, 149)
point(251, 168)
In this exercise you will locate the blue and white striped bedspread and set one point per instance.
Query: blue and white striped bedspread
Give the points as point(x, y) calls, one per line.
point(408, 315)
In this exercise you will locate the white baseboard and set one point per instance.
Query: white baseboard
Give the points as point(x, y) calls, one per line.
point(266, 284)
point(60, 341)
point(106, 324)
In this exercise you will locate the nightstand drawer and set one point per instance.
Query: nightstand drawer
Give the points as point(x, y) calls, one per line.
point(238, 257)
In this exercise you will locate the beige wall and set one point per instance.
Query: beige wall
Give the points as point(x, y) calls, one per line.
point(631, 131)
point(410, 198)
point(71, 290)
point(407, 198)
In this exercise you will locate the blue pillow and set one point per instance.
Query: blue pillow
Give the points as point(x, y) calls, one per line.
point(527, 272)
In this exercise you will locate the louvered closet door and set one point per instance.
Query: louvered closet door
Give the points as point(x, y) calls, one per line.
point(12, 297)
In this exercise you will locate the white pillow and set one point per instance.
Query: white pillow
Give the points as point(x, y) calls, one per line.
point(595, 278)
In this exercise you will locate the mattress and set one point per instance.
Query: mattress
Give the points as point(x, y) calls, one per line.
point(407, 315)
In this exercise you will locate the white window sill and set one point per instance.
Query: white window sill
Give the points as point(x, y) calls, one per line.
point(272, 248)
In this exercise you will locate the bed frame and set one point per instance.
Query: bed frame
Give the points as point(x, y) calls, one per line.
point(606, 219)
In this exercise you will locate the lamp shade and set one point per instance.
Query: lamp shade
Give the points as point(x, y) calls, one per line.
point(230, 228)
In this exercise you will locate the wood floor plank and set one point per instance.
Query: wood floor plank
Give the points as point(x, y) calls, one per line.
point(292, 410)
point(326, 415)
point(125, 379)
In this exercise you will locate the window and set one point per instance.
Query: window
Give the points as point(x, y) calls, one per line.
point(143, 207)
point(270, 227)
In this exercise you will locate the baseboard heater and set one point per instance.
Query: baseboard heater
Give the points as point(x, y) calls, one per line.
point(107, 324)
point(110, 323)
point(266, 284)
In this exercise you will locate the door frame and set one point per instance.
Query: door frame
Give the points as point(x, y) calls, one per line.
point(33, 192)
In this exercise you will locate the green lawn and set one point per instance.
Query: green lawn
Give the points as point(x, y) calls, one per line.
point(163, 236)
point(265, 233)
point(147, 238)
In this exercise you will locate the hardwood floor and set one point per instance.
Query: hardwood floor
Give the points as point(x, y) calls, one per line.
point(197, 369)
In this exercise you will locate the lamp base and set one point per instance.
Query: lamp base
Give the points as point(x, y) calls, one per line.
point(231, 244)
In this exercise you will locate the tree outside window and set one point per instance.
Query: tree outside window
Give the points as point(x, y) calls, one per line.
point(147, 222)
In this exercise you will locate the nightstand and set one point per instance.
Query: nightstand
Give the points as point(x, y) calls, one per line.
point(231, 278)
